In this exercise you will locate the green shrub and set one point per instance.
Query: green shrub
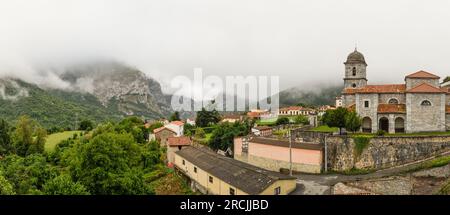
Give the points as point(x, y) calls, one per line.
point(361, 142)
point(381, 133)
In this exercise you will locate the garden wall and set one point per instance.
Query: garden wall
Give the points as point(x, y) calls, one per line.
point(345, 153)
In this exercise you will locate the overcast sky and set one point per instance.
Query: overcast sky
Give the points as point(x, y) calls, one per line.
point(301, 41)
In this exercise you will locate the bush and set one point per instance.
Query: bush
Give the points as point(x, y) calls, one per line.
point(381, 133)
point(361, 142)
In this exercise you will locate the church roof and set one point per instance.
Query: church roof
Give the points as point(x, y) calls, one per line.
point(425, 88)
point(423, 74)
point(387, 88)
point(355, 57)
point(391, 108)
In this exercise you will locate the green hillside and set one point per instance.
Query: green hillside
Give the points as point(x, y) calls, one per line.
point(52, 107)
point(323, 96)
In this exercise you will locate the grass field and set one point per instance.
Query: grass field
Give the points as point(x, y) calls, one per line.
point(267, 121)
point(56, 138)
point(325, 128)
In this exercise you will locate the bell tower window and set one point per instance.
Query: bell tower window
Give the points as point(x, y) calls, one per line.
point(354, 71)
point(354, 85)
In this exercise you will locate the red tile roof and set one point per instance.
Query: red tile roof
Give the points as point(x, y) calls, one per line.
point(179, 141)
point(387, 88)
point(162, 128)
point(425, 88)
point(391, 108)
point(177, 122)
point(422, 74)
point(447, 109)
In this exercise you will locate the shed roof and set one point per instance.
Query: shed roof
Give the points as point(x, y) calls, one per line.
point(250, 179)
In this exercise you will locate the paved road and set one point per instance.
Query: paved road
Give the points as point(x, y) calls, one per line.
point(320, 184)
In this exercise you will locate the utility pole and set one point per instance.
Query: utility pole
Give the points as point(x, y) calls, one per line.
point(290, 152)
point(326, 153)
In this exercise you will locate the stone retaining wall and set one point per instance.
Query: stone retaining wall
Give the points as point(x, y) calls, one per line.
point(383, 152)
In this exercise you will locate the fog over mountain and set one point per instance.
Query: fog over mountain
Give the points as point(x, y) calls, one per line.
point(302, 42)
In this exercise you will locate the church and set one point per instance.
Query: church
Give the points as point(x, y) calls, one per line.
point(420, 104)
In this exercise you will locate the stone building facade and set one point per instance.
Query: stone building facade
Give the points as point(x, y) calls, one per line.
point(420, 104)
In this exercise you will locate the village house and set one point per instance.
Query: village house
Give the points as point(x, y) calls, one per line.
point(190, 121)
point(215, 174)
point(273, 154)
point(338, 102)
point(162, 135)
point(232, 118)
point(175, 144)
point(322, 109)
point(419, 104)
point(295, 111)
point(262, 131)
point(177, 126)
point(258, 114)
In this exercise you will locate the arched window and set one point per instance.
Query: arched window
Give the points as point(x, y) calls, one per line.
point(354, 71)
point(425, 103)
point(393, 101)
point(354, 85)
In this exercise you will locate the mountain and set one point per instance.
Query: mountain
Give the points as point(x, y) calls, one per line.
point(120, 87)
point(98, 91)
point(51, 108)
point(322, 96)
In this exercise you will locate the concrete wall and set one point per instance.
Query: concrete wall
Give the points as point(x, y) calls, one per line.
point(274, 158)
point(383, 152)
point(425, 118)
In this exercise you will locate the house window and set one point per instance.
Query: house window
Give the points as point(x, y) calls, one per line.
point(425, 103)
point(277, 191)
point(354, 71)
point(366, 104)
point(232, 192)
point(211, 180)
point(393, 101)
point(195, 169)
point(184, 162)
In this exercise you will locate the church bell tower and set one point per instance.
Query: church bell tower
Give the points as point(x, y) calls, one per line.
point(355, 71)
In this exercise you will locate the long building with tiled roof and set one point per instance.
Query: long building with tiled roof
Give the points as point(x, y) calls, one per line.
point(421, 104)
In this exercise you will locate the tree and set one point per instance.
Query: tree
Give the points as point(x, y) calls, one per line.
point(27, 174)
point(175, 116)
point(352, 121)
point(335, 118)
point(108, 165)
point(63, 185)
point(223, 134)
point(447, 79)
point(86, 125)
point(5, 187)
point(200, 133)
point(5, 139)
point(282, 121)
point(206, 118)
point(300, 119)
point(29, 137)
